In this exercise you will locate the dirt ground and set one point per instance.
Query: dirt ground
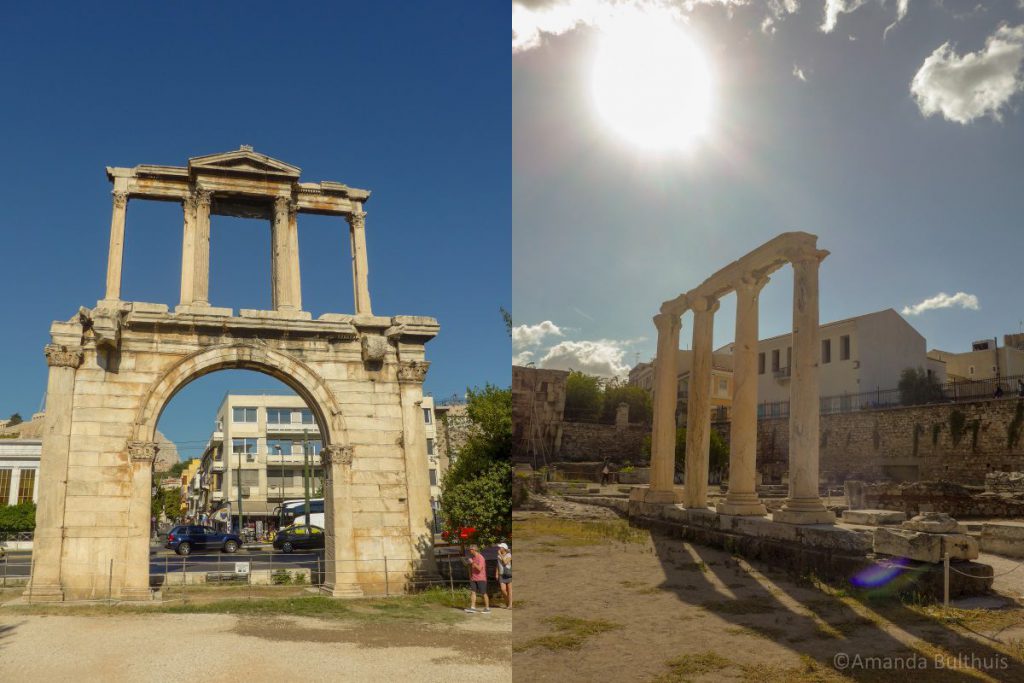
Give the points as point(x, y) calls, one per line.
point(600, 601)
point(225, 647)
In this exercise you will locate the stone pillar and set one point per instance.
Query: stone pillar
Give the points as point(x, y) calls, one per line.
point(141, 455)
point(53, 471)
point(341, 565)
point(360, 266)
point(201, 272)
point(116, 253)
point(417, 477)
point(188, 249)
point(803, 505)
point(663, 431)
point(293, 254)
point(698, 411)
point(282, 284)
point(622, 416)
point(742, 497)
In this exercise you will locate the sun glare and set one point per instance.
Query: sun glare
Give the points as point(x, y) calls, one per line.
point(651, 83)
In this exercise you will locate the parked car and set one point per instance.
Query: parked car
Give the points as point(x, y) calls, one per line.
point(299, 537)
point(186, 539)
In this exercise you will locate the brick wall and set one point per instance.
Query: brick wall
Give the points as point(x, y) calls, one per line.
point(589, 441)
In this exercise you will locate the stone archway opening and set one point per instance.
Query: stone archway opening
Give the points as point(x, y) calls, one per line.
point(114, 368)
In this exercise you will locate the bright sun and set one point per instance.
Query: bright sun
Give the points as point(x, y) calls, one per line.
point(651, 84)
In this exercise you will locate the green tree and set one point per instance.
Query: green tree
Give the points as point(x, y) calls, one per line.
point(718, 457)
point(178, 467)
point(507, 317)
point(638, 400)
point(476, 491)
point(168, 502)
point(16, 518)
point(14, 419)
point(917, 387)
point(583, 397)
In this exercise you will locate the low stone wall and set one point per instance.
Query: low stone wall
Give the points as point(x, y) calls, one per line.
point(956, 500)
point(1003, 539)
point(591, 441)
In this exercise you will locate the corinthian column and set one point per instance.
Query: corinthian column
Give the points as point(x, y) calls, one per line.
point(201, 277)
point(53, 473)
point(116, 253)
point(698, 409)
point(141, 455)
point(188, 249)
point(663, 431)
point(417, 468)
point(804, 506)
point(360, 266)
point(341, 568)
point(281, 256)
point(742, 497)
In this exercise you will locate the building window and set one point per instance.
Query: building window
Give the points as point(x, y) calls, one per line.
point(775, 360)
point(307, 416)
point(25, 486)
point(760, 363)
point(280, 446)
point(426, 416)
point(826, 351)
point(5, 486)
point(314, 446)
point(844, 347)
point(243, 446)
point(723, 386)
point(243, 415)
point(970, 370)
point(279, 416)
point(433, 477)
point(430, 446)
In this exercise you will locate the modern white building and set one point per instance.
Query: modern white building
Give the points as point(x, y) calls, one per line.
point(19, 470)
point(642, 375)
point(986, 360)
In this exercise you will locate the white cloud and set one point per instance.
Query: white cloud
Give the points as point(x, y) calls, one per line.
point(902, 7)
point(943, 300)
point(977, 84)
point(532, 20)
point(604, 357)
point(522, 358)
point(799, 73)
point(833, 8)
point(533, 335)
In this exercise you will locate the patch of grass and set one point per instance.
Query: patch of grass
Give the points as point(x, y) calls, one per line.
point(769, 632)
point(809, 671)
point(570, 633)
point(757, 605)
point(683, 667)
point(692, 567)
point(579, 533)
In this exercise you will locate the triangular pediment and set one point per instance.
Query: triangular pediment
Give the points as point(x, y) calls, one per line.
point(243, 160)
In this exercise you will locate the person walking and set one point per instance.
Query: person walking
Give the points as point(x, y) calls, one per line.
point(503, 573)
point(606, 473)
point(1020, 388)
point(477, 580)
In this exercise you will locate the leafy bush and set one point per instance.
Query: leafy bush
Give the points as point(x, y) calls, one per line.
point(15, 518)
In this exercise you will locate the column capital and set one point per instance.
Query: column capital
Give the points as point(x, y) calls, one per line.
point(62, 356)
point(667, 322)
point(142, 451)
point(286, 204)
point(705, 304)
point(752, 282)
point(202, 197)
point(334, 454)
point(806, 254)
point(120, 198)
point(412, 371)
point(357, 219)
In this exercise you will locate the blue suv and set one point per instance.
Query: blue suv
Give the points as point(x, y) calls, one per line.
point(184, 539)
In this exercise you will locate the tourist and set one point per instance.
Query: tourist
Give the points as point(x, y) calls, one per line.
point(605, 474)
point(1020, 388)
point(477, 580)
point(503, 573)
point(999, 391)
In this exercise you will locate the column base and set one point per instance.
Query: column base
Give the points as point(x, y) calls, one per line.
point(343, 590)
point(742, 507)
point(804, 511)
point(202, 309)
point(661, 496)
point(44, 593)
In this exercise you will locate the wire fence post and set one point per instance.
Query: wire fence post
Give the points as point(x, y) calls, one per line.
point(387, 589)
point(451, 581)
point(319, 578)
point(110, 582)
point(184, 576)
point(945, 580)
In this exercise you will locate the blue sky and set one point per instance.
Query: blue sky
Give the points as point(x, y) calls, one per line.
point(903, 149)
point(405, 100)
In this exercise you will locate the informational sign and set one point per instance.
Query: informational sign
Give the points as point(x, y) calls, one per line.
point(241, 567)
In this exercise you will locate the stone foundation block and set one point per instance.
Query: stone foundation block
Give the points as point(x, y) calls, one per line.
point(924, 547)
point(1003, 539)
point(873, 517)
point(933, 523)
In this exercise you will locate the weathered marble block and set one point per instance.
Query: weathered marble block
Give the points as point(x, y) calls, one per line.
point(873, 517)
point(922, 546)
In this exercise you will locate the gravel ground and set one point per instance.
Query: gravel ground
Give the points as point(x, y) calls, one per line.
point(220, 647)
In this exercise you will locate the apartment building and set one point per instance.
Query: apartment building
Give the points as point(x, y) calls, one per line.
point(19, 470)
point(642, 375)
point(986, 360)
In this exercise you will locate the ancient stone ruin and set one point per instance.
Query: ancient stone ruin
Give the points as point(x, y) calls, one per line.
point(114, 368)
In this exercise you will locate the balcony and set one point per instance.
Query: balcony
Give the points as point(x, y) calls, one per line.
point(217, 437)
point(294, 428)
point(217, 495)
point(781, 374)
point(217, 465)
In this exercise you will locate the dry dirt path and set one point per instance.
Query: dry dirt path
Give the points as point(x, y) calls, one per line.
point(601, 602)
point(216, 648)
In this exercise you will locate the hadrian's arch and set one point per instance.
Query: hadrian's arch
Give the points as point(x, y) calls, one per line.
point(114, 368)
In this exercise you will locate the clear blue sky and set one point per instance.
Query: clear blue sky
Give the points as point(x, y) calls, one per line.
point(812, 129)
point(408, 100)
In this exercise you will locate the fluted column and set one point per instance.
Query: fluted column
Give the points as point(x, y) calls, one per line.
point(360, 265)
point(141, 455)
point(417, 468)
point(188, 249)
point(115, 255)
point(804, 506)
point(698, 412)
point(341, 566)
point(282, 286)
point(201, 277)
point(742, 496)
point(53, 473)
point(663, 431)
